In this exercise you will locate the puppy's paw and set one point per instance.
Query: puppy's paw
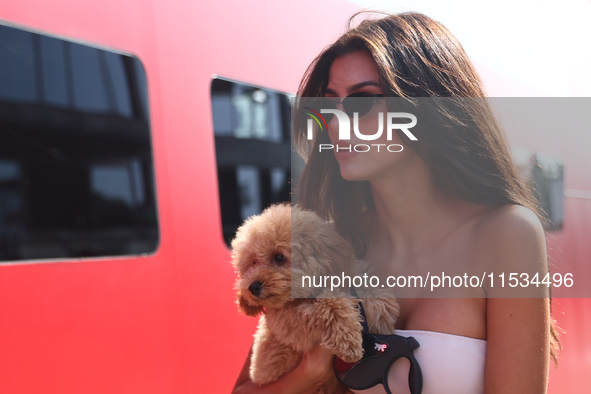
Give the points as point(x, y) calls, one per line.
point(381, 314)
point(339, 328)
point(346, 345)
point(352, 354)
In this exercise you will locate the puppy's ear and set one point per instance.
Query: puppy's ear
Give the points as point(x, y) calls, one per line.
point(246, 308)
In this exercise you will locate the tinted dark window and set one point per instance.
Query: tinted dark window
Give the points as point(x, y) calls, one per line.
point(252, 137)
point(17, 66)
point(76, 170)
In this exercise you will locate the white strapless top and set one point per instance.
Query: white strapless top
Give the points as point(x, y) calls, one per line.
point(451, 364)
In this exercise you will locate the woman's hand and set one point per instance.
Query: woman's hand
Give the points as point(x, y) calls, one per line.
point(314, 371)
point(316, 367)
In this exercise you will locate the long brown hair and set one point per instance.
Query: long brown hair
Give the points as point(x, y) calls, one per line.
point(416, 56)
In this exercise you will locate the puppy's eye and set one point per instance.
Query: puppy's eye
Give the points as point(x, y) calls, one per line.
point(279, 258)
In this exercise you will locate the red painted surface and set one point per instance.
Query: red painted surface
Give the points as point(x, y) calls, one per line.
point(167, 323)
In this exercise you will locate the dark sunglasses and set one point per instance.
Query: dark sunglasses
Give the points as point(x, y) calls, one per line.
point(360, 102)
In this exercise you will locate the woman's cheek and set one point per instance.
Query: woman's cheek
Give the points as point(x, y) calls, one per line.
point(370, 124)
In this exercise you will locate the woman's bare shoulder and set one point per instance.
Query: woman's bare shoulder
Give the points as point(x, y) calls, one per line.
point(510, 220)
point(512, 236)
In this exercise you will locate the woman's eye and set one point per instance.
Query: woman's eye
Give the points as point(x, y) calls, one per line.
point(279, 258)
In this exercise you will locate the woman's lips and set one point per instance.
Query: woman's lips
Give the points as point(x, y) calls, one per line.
point(344, 151)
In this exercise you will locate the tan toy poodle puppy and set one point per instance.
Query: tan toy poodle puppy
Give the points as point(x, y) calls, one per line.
point(263, 252)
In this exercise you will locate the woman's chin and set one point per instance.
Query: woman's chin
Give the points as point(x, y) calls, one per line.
point(353, 174)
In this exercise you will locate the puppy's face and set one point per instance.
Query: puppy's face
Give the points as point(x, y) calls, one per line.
point(261, 255)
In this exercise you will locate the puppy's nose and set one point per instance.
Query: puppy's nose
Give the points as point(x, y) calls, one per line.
point(255, 288)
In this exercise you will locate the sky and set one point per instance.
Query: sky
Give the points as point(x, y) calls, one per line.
point(522, 48)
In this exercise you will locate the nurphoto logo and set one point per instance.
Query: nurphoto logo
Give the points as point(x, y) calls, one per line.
point(344, 122)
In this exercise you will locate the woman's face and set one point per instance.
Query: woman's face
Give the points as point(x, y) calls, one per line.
point(357, 72)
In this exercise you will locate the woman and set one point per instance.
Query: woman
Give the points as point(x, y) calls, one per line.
point(452, 197)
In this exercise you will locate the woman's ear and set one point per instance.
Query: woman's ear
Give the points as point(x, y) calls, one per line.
point(246, 308)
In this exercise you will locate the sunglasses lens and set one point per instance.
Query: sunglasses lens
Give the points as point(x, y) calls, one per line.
point(361, 105)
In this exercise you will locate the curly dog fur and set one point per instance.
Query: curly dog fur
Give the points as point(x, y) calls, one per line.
point(262, 252)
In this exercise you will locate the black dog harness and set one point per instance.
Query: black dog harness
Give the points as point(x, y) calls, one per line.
point(380, 352)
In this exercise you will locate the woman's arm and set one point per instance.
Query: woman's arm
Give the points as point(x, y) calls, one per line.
point(518, 329)
point(518, 345)
point(314, 370)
